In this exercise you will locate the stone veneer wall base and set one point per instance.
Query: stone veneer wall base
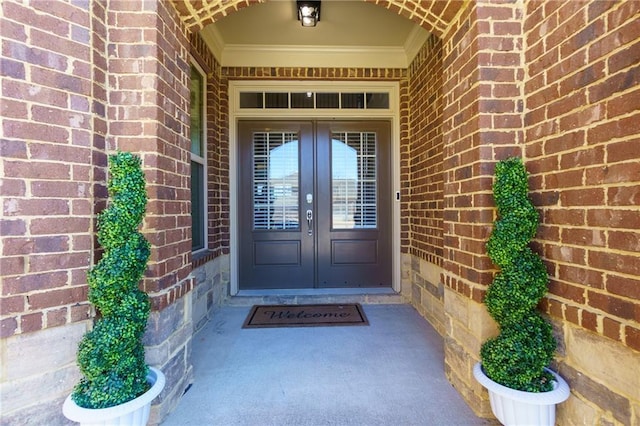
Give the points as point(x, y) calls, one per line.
point(211, 289)
point(34, 387)
point(168, 348)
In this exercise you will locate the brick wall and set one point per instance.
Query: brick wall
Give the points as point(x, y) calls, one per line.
point(424, 178)
point(422, 186)
point(582, 124)
point(569, 112)
point(47, 165)
point(583, 119)
point(52, 119)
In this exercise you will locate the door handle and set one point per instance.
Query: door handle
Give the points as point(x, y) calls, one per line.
point(310, 221)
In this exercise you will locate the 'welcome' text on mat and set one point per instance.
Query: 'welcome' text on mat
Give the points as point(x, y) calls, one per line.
point(305, 315)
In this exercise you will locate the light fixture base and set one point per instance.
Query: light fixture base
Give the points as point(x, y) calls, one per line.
point(308, 12)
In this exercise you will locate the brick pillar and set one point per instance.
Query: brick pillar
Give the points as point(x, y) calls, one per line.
point(148, 113)
point(482, 123)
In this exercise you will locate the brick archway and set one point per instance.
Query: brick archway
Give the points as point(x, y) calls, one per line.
point(433, 15)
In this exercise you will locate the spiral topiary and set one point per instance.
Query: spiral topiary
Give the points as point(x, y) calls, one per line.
point(111, 357)
point(516, 358)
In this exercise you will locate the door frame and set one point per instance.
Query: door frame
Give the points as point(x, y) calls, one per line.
point(392, 114)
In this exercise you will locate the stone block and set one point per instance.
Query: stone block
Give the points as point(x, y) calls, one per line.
point(203, 287)
point(458, 360)
point(432, 309)
point(405, 265)
point(599, 394)
point(220, 294)
point(635, 416)
point(157, 355)
point(48, 412)
point(430, 272)
point(170, 399)
point(480, 322)
point(416, 294)
point(174, 369)
point(199, 275)
point(470, 342)
point(456, 306)
point(558, 333)
point(162, 323)
point(17, 395)
point(604, 361)
point(415, 263)
point(23, 356)
point(179, 339)
point(575, 411)
point(200, 310)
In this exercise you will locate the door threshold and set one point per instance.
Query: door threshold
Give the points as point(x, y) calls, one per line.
point(311, 296)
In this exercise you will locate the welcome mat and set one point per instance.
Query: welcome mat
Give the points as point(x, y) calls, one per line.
point(305, 315)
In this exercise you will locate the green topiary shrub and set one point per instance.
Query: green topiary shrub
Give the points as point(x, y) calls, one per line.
point(111, 356)
point(516, 358)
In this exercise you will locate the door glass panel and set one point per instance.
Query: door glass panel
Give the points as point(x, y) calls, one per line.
point(353, 180)
point(275, 181)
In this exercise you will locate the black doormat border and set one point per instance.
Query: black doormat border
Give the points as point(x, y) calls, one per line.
point(311, 315)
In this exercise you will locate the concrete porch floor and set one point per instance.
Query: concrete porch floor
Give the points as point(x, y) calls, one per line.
point(388, 373)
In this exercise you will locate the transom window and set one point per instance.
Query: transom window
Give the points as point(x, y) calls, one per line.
point(314, 100)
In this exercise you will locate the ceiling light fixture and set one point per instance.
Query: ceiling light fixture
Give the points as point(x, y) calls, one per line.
point(308, 12)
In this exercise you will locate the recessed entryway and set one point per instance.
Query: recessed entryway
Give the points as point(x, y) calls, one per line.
point(314, 186)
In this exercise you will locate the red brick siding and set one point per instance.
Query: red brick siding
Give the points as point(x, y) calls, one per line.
point(47, 147)
point(422, 174)
point(582, 126)
point(460, 121)
point(482, 123)
point(148, 114)
point(501, 118)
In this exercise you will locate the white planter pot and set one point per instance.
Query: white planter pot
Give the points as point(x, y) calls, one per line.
point(131, 413)
point(518, 408)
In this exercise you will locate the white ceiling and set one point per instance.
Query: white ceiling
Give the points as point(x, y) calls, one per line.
point(350, 34)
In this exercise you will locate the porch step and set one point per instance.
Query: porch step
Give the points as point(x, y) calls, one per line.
point(300, 297)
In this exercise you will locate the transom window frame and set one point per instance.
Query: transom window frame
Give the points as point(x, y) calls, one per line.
point(237, 87)
point(316, 86)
